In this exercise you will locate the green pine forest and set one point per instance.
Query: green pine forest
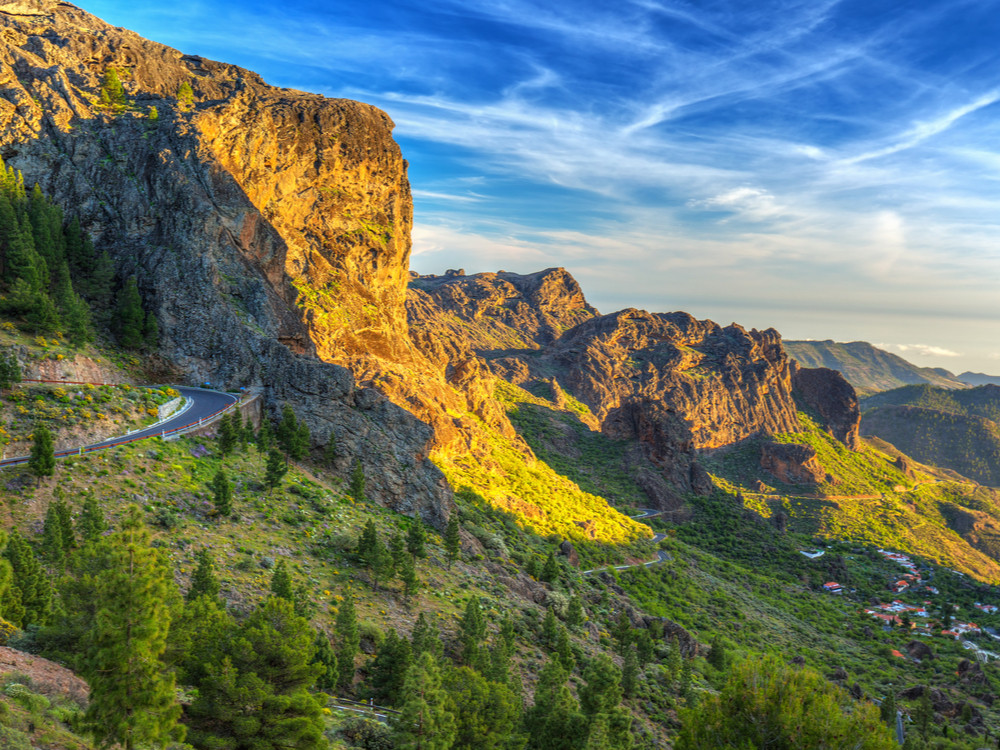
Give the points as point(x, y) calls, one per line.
point(239, 592)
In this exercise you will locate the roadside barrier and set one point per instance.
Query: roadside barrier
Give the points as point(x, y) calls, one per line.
point(125, 439)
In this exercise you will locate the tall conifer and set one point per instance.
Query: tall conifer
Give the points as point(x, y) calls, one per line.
point(132, 699)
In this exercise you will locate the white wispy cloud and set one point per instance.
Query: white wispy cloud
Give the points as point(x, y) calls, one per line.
point(926, 350)
point(928, 129)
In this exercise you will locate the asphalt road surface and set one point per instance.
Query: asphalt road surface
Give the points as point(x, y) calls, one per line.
point(204, 404)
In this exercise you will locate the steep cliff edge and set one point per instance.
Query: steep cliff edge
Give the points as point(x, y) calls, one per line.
point(241, 209)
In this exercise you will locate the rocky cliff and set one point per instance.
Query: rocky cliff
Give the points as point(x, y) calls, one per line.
point(243, 211)
point(269, 231)
point(669, 383)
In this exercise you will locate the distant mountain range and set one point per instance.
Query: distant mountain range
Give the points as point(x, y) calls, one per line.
point(979, 378)
point(870, 369)
point(959, 430)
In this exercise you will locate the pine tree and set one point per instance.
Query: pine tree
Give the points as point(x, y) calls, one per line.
point(416, 539)
point(923, 713)
point(275, 470)
point(29, 583)
point(326, 657)
point(91, 524)
point(227, 437)
point(564, 649)
point(52, 537)
point(425, 638)
point(644, 648)
point(472, 631)
point(201, 629)
point(287, 430)
point(265, 438)
point(132, 699)
point(112, 91)
point(550, 629)
point(330, 451)
point(301, 442)
point(129, 317)
point(622, 632)
point(64, 519)
point(348, 640)
point(43, 316)
point(150, 332)
point(425, 721)
point(387, 670)
point(717, 655)
point(367, 543)
point(222, 493)
point(10, 371)
point(379, 563)
point(256, 696)
point(600, 698)
point(630, 673)
point(554, 721)
point(888, 709)
point(77, 321)
point(550, 571)
point(42, 462)
point(357, 487)
point(574, 613)
point(397, 550)
point(204, 581)
point(673, 659)
point(281, 582)
point(485, 713)
point(452, 539)
point(408, 577)
point(498, 669)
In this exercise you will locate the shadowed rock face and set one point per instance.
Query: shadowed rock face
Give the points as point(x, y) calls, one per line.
point(829, 393)
point(264, 226)
point(674, 384)
point(791, 463)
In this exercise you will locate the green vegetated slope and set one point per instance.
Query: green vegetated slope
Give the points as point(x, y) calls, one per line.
point(561, 436)
point(959, 430)
point(870, 500)
point(868, 368)
point(734, 581)
point(278, 583)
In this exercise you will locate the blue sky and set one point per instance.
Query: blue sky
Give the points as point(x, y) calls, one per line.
point(831, 169)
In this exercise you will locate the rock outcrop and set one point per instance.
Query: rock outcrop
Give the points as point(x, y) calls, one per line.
point(833, 398)
point(264, 226)
point(792, 463)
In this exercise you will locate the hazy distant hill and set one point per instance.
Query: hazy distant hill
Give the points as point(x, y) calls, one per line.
point(979, 378)
point(958, 430)
point(866, 367)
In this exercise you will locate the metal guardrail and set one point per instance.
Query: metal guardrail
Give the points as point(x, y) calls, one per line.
point(125, 439)
point(360, 704)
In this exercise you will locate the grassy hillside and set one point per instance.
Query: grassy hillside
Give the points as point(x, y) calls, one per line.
point(866, 367)
point(959, 430)
point(870, 500)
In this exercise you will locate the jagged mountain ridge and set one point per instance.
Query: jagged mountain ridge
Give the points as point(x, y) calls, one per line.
point(868, 368)
point(671, 384)
point(269, 230)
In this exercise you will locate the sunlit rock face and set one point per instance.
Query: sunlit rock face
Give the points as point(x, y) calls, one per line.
point(267, 228)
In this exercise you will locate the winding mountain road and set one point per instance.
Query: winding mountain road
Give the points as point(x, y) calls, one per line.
point(202, 405)
point(661, 555)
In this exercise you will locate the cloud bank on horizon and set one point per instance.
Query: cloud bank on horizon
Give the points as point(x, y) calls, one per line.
point(831, 169)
